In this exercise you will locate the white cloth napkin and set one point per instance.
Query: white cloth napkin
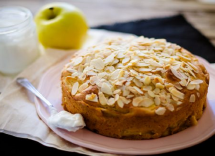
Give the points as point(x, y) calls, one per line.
point(18, 116)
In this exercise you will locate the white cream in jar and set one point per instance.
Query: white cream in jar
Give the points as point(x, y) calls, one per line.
point(18, 40)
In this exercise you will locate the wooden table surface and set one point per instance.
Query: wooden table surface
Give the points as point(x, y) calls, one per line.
point(200, 13)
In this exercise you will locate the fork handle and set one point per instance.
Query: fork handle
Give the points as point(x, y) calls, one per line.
point(25, 83)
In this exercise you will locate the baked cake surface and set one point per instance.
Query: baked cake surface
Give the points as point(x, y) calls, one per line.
point(135, 88)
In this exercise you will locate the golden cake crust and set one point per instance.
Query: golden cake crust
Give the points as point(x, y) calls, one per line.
point(132, 119)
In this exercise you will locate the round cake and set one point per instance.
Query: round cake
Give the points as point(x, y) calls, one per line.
point(135, 88)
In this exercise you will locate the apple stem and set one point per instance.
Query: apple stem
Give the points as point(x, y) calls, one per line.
point(52, 15)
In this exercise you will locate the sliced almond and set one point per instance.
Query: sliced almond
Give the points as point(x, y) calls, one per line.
point(105, 88)
point(137, 82)
point(117, 91)
point(83, 87)
point(126, 101)
point(192, 98)
point(78, 61)
point(157, 100)
point(71, 70)
point(136, 101)
point(109, 59)
point(91, 73)
point(176, 73)
point(183, 82)
point(176, 93)
point(159, 85)
point(125, 60)
point(115, 74)
point(147, 80)
point(196, 82)
point(144, 70)
point(92, 97)
point(146, 102)
point(94, 80)
point(129, 96)
point(75, 88)
point(160, 111)
point(110, 101)
point(120, 103)
point(97, 63)
point(191, 86)
point(102, 98)
point(140, 64)
point(146, 88)
point(151, 93)
point(170, 107)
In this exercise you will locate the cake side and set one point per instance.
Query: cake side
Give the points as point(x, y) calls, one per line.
point(135, 88)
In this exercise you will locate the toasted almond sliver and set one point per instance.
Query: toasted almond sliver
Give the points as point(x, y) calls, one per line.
point(78, 61)
point(160, 111)
point(83, 87)
point(147, 80)
point(140, 64)
point(94, 80)
point(124, 100)
point(151, 93)
point(138, 90)
point(170, 107)
point(137, 82)
point(120, 103)
point(176, 73)
point(192, 98)
point(179, 103)
point(144, 70)
point(159, 85)
point(191, 86)
point(71, 70)
point(117, 91)
point(102, 98)
point(109, 59)
point(176, 93)
point(115, 74)
point(193, 66)
point(157, 100)
point(97, 63)
point(196, 82)
point(129, 96)
point(125, 60)
point(91, 73)
point(116, 97)
point(92, 97)
point(146, 88)
point(137, 100)
point(75, 88)
point(111, 101)
point(105, 88)
point(183, 82)
point(146, 102)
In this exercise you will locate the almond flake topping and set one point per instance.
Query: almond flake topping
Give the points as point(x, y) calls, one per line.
point(97, 63)
point(92, 97)
point(192, 98)
point(134, 71)
point(75, 88)
point(160, 111)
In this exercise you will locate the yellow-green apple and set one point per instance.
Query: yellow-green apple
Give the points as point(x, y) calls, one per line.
point(61, 25)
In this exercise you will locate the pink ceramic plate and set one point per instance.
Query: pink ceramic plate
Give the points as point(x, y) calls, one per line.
point(50, 87)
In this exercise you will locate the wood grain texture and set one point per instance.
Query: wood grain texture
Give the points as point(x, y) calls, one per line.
point(201, 15)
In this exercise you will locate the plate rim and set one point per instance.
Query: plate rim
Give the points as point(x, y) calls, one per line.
point(39, 105)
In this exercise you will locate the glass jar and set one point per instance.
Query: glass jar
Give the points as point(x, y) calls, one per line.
point(18, 39)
